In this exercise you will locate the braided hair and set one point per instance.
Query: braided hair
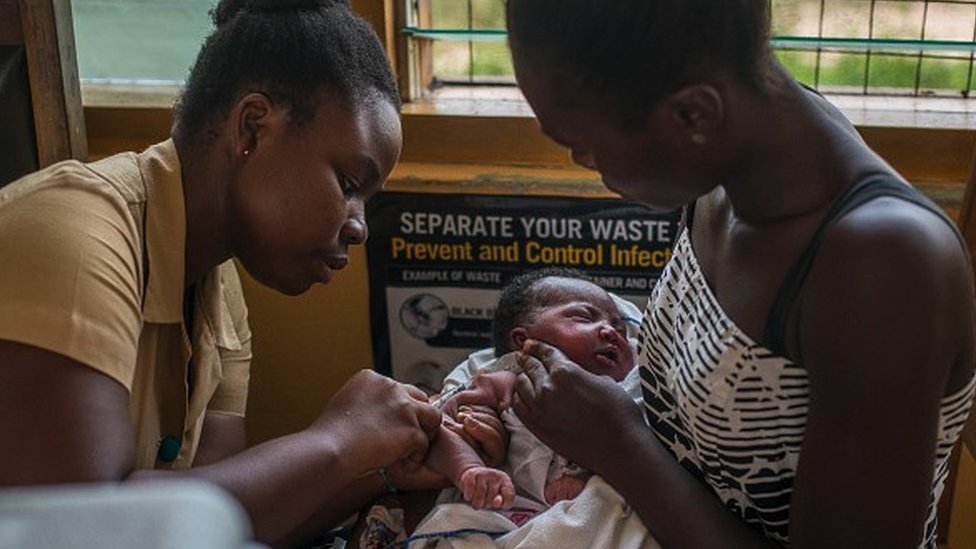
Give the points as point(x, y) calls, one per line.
point(294, 51)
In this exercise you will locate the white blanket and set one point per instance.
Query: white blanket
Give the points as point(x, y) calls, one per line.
point(597, 518)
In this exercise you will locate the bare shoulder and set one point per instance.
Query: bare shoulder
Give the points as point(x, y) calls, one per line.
point(892, 280)
point(886, 326)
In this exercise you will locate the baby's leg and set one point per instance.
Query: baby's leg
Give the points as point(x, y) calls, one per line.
point(565, 487)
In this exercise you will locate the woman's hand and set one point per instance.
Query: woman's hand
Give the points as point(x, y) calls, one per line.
point(376, 422)
point(581, 416)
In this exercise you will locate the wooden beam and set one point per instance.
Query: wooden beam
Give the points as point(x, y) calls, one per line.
point(10, 34)
point(52, 67)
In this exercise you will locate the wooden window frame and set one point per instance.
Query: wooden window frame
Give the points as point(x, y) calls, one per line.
point(506, 138)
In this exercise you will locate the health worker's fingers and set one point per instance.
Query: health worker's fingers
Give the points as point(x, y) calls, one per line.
point(429, 418)
point(416, 392)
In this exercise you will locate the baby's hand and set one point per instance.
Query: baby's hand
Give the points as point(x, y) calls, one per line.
point(486, 487)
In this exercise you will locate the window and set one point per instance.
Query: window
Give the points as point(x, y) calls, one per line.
point(129, 41)
point(871, 47)
point(875, 47)
point(456, 42)
point(878, 47)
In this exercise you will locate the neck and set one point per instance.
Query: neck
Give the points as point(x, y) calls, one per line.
point(797, 156)
point(205, 173)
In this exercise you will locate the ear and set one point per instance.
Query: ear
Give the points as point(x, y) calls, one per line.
point(253, 117)
point(697, 111)
point(517, 337)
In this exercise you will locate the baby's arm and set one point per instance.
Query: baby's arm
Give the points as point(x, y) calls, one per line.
point(453, 457)
point(492, 389)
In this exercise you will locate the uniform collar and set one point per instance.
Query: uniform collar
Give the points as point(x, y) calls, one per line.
point(165, 233)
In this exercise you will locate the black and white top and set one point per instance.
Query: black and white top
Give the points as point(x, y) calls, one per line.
point(732, 411)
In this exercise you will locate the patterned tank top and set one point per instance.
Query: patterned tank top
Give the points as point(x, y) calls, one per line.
point(731, 410)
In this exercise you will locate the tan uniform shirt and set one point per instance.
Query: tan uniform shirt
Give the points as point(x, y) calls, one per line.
point(92, 267)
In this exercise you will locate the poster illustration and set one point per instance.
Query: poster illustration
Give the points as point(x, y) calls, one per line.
point(437, 263)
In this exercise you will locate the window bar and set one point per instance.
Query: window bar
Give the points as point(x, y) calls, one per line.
point(972, 56)
point(820, 34)
point(921, 52)
point(867, 60)
point(806, 43)
point(470, 43)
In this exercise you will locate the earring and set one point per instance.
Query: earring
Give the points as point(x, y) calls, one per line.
point(246, 152)
point(699, 138)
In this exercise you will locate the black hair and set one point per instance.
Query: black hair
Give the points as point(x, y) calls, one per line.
point(295, 51)
point(519, 299)
point(624, 55)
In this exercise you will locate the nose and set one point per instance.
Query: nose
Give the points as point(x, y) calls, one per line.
point(608, 332)
point(354, 231)
point(583, 158)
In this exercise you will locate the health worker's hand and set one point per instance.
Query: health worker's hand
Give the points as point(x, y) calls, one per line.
point(406, 475)
point(375, 422)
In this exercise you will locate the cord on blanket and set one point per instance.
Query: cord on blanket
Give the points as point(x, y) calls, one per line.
point(445, 535)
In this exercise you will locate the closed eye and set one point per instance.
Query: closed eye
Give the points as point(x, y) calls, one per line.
point(348, 185)
point(582, 314)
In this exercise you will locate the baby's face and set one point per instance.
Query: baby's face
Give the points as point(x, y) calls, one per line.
point(581, 319)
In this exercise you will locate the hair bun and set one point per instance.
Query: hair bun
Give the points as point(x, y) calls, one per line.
point(228, 9)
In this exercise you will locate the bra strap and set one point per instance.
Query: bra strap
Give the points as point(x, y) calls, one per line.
point(864, 191)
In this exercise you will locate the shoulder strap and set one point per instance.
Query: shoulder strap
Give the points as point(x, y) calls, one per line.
point(685, 220)
point(864, 191)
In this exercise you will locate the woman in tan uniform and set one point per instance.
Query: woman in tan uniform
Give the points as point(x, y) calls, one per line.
point(124, 344)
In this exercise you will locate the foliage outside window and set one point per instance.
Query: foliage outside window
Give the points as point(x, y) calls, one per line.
point(875, 47)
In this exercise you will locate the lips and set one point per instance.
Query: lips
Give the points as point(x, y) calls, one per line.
point(337, 263)
point(609, 356)
point(324, 266)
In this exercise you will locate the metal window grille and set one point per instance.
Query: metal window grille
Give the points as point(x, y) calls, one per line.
point(871, 47)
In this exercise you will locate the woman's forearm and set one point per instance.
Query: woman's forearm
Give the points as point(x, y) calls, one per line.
point(675, 507)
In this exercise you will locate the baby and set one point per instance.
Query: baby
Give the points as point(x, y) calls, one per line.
point(559, 307)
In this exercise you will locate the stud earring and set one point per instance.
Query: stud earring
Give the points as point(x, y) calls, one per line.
point(699, 138)
point(246, 152)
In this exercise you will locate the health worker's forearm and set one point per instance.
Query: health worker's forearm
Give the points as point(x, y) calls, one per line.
point(282, 483)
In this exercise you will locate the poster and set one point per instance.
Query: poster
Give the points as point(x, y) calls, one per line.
point(437, 263)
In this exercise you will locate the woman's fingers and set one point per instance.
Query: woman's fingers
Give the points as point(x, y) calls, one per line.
point(525, 386)
point(534, 369)
point(546, 354)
